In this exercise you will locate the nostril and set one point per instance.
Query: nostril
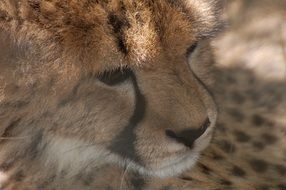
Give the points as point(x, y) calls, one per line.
point(180, 138)
point(188, 137)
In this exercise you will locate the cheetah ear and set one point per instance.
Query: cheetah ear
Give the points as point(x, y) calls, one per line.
point(208, 15)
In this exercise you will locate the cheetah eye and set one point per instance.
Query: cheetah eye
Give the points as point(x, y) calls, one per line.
point(115, 77)
point(191, 49)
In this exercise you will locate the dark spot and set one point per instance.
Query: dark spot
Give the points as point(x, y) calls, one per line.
point(282, 186)
point(168, 187)
point(186, 178)
point(236, 114)
point(118, 23)
point(263, 187)
point(280, 169)
point(3, 15)
point(205, 169)
point(258, 165)
point(227, 146)
point(115, 22)
point(216, 156)
point(255, 96)
point(238, 98)
point(122, 47)
point(9, 129)
point(19, 176)
point(221, 127)
point(258, 145)
point(225, 182)
point(241, 136)
point(87, 180)
point(258, 120)
point(231, 79)
point(108, 187)
point(35, 5)
point(137, 181)
point(237, 171)
point(46, 182)
point(33, 148)
point(7, 165)
point(21, 104)
point(269, 138)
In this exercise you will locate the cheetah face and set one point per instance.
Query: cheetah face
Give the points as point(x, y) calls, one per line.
point(129, 81)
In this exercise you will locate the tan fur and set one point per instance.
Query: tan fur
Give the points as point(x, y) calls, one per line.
point(59, 122)
point(249, 147)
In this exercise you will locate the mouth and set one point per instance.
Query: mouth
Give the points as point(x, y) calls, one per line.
point(172, 166)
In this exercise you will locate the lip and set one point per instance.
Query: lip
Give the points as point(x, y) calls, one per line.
point(173, 166)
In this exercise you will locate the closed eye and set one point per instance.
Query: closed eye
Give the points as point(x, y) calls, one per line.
point(191, 49)
point(115, 77)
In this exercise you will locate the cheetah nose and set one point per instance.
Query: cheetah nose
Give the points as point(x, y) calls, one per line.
point(188, 137)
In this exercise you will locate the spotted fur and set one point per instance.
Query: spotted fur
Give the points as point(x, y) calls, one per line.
point(84, 84)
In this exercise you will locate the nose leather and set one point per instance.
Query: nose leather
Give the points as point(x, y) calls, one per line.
point(188, 137)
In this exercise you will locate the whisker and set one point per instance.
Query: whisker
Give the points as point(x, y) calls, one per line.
point(123, 175)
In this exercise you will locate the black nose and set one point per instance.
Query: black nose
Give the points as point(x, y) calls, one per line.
point(188, 137)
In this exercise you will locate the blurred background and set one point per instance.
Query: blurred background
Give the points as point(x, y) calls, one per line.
point(255, 36)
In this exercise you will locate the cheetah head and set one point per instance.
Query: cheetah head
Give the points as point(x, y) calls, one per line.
point(114, 81)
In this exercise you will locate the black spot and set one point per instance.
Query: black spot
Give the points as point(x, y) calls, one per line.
point(186, 178)
point(237, 171)
point(227, 146)
point(35, 5)
point(168, 187)
point(263, 187)
point(137, 181)
point(282, 186)
point(237, 98)
point(7, 165)
point(9, 129)
point(258, 165)
point(226, 182)
point(280, 169)
point(33, 148)
point(87, 180)
point(108, 187)
point(269, 138)
point(216, 156)
point(236, 114)
point(3, 15)
point(122, 47)
point(205, 169)
point(258, 120)
point(231, 79)
point(258, 145)
point(19, 176)
point(118, 24)
point(221, 127)
point(241, 136)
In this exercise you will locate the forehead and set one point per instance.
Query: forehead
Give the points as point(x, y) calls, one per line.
point(133, 31)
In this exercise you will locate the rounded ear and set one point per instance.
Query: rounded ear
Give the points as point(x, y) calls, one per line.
point(208, 15)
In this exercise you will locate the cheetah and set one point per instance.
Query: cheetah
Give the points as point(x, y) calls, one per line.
point(248, 148)
point(122, 94)
point(88, 83)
